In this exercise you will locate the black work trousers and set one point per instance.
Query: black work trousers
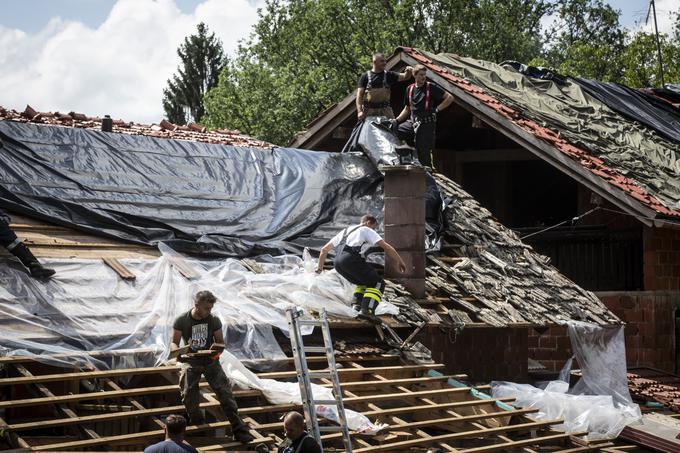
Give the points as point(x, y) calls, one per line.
point(421, 137)
point(354, 268)
point(7, 235)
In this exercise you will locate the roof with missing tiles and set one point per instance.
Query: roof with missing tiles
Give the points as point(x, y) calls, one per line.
point(165, 129)
point(627, 162)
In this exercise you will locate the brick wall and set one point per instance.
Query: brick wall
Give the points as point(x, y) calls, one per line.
point(550, 346)
point(484, 354)
point(649, 332)
point(661, 259)
point(650, 325)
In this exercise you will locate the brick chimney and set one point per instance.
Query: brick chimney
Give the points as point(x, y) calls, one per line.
point(405, 224)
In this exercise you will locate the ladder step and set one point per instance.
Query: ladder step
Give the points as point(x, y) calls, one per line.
point(319, 349)
point(319, 375)
point(325, 402)
point(330, 429)
point(307, 322)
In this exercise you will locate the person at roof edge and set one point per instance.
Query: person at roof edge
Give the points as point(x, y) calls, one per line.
point(9, 240)
point(202, 331)
point(351, 265)
point(417, 122)
point(374, 89)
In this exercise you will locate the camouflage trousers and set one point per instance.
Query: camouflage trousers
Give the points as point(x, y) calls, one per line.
point(189, 379)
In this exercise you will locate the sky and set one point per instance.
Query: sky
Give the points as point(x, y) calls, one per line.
point(114, 56)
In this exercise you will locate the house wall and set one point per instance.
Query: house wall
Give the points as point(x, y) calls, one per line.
point(651, 335)
point(484, 354)
point(661, 259)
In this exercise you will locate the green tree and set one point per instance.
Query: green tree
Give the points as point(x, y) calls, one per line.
point(587, 41)
point(202, 59)
point(304, 55)
point(641, 64)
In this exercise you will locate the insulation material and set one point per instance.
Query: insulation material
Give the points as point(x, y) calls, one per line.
point(87, 308)
point(599, 403)
point(199, 198)
point(289, 393)
point(629, 146)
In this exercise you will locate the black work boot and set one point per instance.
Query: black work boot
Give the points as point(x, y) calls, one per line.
point(31, 262)
point(242, 434)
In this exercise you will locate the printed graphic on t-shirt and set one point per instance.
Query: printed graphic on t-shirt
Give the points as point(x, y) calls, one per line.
point(199, 336)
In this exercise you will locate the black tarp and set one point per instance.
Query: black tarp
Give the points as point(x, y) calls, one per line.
point(634, 104)
point(198, 198)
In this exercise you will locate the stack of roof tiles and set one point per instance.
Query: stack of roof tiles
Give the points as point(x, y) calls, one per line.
point(164, 129)
point(648, 384)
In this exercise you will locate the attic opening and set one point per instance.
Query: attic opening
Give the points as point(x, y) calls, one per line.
point(599, 251)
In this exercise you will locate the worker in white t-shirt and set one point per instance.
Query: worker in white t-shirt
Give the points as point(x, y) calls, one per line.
point(350, 264)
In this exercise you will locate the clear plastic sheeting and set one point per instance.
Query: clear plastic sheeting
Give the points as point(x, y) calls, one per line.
point(278, 392)
point(599, 403)
point(91, 316)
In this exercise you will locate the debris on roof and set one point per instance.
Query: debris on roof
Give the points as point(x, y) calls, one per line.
point(485, 272)
point(165, 129)
point(623, 152)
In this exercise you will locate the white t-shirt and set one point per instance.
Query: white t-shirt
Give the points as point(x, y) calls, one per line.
point(358, 236)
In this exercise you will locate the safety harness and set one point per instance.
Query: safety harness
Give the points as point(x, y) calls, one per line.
point(427, 118)
point(369, 86)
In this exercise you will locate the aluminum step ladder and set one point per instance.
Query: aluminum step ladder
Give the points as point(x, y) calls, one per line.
point(305, 376)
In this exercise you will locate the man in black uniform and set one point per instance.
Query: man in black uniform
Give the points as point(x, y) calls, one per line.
point(418, 121)
point(200, 329)
point(374, 89)
point(9, 240)
point(297, 439)
point(350, 264)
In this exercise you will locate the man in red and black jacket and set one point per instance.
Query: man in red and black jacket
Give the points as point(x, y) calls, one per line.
point(418, 120)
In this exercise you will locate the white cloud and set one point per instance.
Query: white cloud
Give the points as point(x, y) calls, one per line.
point(119, 68)
point(665, 16)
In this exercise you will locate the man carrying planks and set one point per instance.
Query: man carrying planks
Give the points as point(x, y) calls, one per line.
point(9, 240)
point(202, 332)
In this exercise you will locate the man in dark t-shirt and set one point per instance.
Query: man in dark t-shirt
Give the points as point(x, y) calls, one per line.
point(375, 88)
point(418, 121)
point(200, 330)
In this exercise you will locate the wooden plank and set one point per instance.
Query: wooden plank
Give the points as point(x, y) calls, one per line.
point(87, 375)
point(174, 368)
point(518, 443)
point(174, 389)
point(353, 371)
point(465, 435)
point(62, 408)
point(184, 268)
point(171, 409)
point(120, 269)
point(438, 407)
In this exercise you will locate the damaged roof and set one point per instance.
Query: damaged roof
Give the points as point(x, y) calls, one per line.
point(485, 274)
point(164, 129)
point(626, 161)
